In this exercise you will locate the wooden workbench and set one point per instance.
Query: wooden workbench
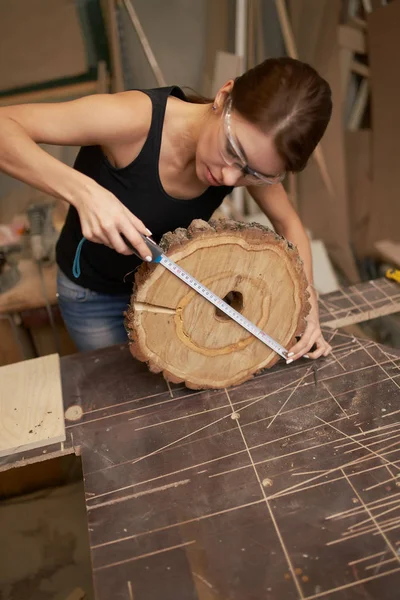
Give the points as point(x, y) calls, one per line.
point(285, 487)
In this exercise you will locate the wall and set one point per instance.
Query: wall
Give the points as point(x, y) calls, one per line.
point(176, 31)
point(179, 34)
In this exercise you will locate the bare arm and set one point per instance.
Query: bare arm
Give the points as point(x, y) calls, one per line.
point(100, 119)
point(275, 203)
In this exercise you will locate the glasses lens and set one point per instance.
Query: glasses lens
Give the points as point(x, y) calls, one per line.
point(232, 155)
point(258, 179)
point(254, 180)
point(225, 148)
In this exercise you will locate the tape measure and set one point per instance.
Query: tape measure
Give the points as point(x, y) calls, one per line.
point(159, 257)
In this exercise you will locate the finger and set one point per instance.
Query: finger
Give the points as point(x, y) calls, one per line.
point(117, 243)
point(96, 237)
point(139, 225)
point(98, 240)
point(303, 346)
point(134, 237)
point(322, 349)
point(316, 354)
point(328, 350)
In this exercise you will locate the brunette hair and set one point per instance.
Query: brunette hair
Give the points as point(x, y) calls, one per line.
point(288, 99)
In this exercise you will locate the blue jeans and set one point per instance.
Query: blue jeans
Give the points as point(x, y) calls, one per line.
point(92, 320)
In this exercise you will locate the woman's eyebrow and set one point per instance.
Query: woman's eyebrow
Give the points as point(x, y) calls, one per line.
point(247, 161)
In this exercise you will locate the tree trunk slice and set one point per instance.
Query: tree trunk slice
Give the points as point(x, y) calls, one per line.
point(179, 333)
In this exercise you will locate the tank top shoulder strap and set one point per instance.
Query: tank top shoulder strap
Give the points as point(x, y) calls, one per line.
point(159, 97)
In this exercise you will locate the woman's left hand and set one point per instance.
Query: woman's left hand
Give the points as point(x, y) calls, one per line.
point(312, 335)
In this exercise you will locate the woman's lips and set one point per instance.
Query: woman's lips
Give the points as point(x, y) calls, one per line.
point(211, 178)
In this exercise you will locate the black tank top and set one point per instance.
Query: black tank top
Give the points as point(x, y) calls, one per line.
point(139, 188)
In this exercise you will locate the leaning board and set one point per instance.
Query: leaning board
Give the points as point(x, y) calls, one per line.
point(31, 408)
point(41, 41)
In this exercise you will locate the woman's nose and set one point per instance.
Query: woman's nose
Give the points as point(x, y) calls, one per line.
point(231, 175)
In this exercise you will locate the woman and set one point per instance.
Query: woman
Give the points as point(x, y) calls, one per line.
point(152, 161)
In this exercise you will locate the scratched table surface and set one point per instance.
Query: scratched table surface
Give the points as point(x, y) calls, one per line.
point(285, 487)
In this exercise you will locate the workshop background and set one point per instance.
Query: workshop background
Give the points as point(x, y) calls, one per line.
point(348, 199)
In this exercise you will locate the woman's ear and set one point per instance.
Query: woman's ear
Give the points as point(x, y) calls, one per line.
point(222, 95)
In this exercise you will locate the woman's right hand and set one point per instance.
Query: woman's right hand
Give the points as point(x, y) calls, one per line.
point(105, 120)
point(104, 218)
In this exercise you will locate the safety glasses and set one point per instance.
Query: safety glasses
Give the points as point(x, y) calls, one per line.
point(233, 156)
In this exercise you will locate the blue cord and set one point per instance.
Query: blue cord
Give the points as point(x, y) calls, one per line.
point(76, 267)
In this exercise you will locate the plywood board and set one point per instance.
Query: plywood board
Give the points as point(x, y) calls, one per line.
point(325, 280)
point(359, 303)
point(389, 251)
point(358, 157)
point(31, 407)
point(384, 53)
point(352, 38)
point(252, 488)
point(109, 8)
point(326, 216)
point(52, 94)
point(41, 40)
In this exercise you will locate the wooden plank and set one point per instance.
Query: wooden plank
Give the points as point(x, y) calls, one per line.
point(41, 40)
point(358, 157)
point(360, 68)
point(31, 408)
point(357, 22)
point(63, 92)
point(360, 302)
point(296, 15)
point(155, 67)
point(388, 309)
point(346, 59)
point(325, 280)
point(359, 106)
point(325, 216)
point(291, 49)
point(371, 5)
point(319, 428)
point(384, 55)
point(117, 77)
point(389, 251)
point(77, 594)
point(367, 4)
point(287, 31)
point(352, 38)
point(318, 424)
